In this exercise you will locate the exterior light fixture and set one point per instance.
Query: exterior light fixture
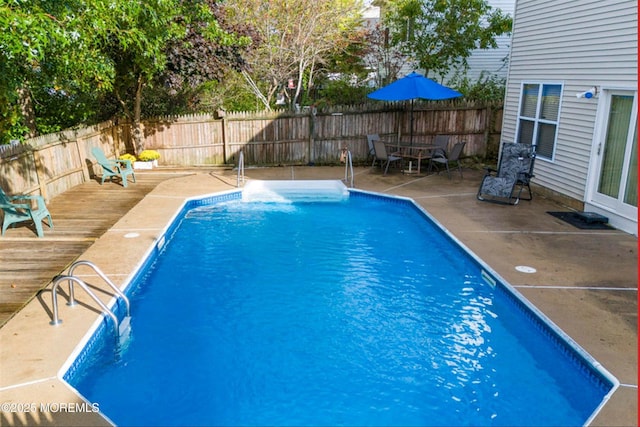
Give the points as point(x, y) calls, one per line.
point(588, 94)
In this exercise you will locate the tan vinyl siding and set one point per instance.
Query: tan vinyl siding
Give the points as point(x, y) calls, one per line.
point(580, 43)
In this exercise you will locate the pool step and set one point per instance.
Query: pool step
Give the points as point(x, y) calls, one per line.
point(295, 191)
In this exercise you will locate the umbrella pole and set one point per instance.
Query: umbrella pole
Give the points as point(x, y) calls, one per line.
point(411, 125)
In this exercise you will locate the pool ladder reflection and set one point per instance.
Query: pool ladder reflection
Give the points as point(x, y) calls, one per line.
point(240, 169)
point(121, 328)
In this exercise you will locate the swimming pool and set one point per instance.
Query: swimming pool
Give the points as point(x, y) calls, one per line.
point(374, 315)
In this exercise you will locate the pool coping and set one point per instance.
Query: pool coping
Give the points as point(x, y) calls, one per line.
point(26, 383)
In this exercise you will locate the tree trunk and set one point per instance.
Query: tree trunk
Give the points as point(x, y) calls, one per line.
point(28, 112)
point(138, 140)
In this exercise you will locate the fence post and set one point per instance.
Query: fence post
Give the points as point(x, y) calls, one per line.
point(312, 139)
point(42, 179)
point(488, 125)
point(82, 155)
point(223, 131)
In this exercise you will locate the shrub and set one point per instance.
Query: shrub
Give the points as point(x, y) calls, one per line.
point(148, 155)
point(488, 87)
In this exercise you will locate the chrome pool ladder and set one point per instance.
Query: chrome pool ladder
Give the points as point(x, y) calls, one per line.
point(348, 167)
point(121, 328)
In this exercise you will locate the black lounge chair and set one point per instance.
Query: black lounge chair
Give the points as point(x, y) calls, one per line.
point(514, 173)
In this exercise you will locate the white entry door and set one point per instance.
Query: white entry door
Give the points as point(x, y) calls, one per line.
point(614, 186)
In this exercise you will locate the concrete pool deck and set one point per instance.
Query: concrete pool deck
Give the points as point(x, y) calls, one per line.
point(585, 280)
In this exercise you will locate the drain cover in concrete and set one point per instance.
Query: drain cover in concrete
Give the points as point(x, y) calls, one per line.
point(525, 269)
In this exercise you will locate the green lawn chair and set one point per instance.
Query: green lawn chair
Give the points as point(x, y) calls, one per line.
point(113, 168)
point(19, 212)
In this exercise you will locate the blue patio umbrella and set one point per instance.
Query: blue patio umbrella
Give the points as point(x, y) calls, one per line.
point(411, 87)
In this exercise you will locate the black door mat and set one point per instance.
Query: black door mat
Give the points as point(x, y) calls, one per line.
point(575, 219)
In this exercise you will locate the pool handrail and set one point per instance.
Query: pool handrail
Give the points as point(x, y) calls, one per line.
point(104, 277)
point(348, 167)
point(54, 300)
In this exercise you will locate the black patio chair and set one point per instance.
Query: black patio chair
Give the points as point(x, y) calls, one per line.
point(371, 138)
point(385, 158)
point(441, 157)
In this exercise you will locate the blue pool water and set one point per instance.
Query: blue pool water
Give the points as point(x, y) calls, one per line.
point(355, 312)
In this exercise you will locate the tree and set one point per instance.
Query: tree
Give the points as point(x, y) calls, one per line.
point(177, 42)
point(439, 35)
point(72, 53)
point(44, 48)
point(210, 51)
point(383, 59)
point(295, 39)
point(132, 35)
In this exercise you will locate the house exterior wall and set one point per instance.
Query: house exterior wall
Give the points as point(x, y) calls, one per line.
point(579, 43)
point(492, 61)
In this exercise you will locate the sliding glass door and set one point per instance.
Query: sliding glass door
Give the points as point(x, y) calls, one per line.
point(616, 186)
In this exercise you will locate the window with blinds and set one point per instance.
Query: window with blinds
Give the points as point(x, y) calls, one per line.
point(539, 115)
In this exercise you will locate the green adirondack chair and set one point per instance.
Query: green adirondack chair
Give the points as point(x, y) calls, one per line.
point(19, 212)
point(113, 168)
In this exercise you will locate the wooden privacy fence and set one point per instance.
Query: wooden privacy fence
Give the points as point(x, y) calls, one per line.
point(51, 164)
